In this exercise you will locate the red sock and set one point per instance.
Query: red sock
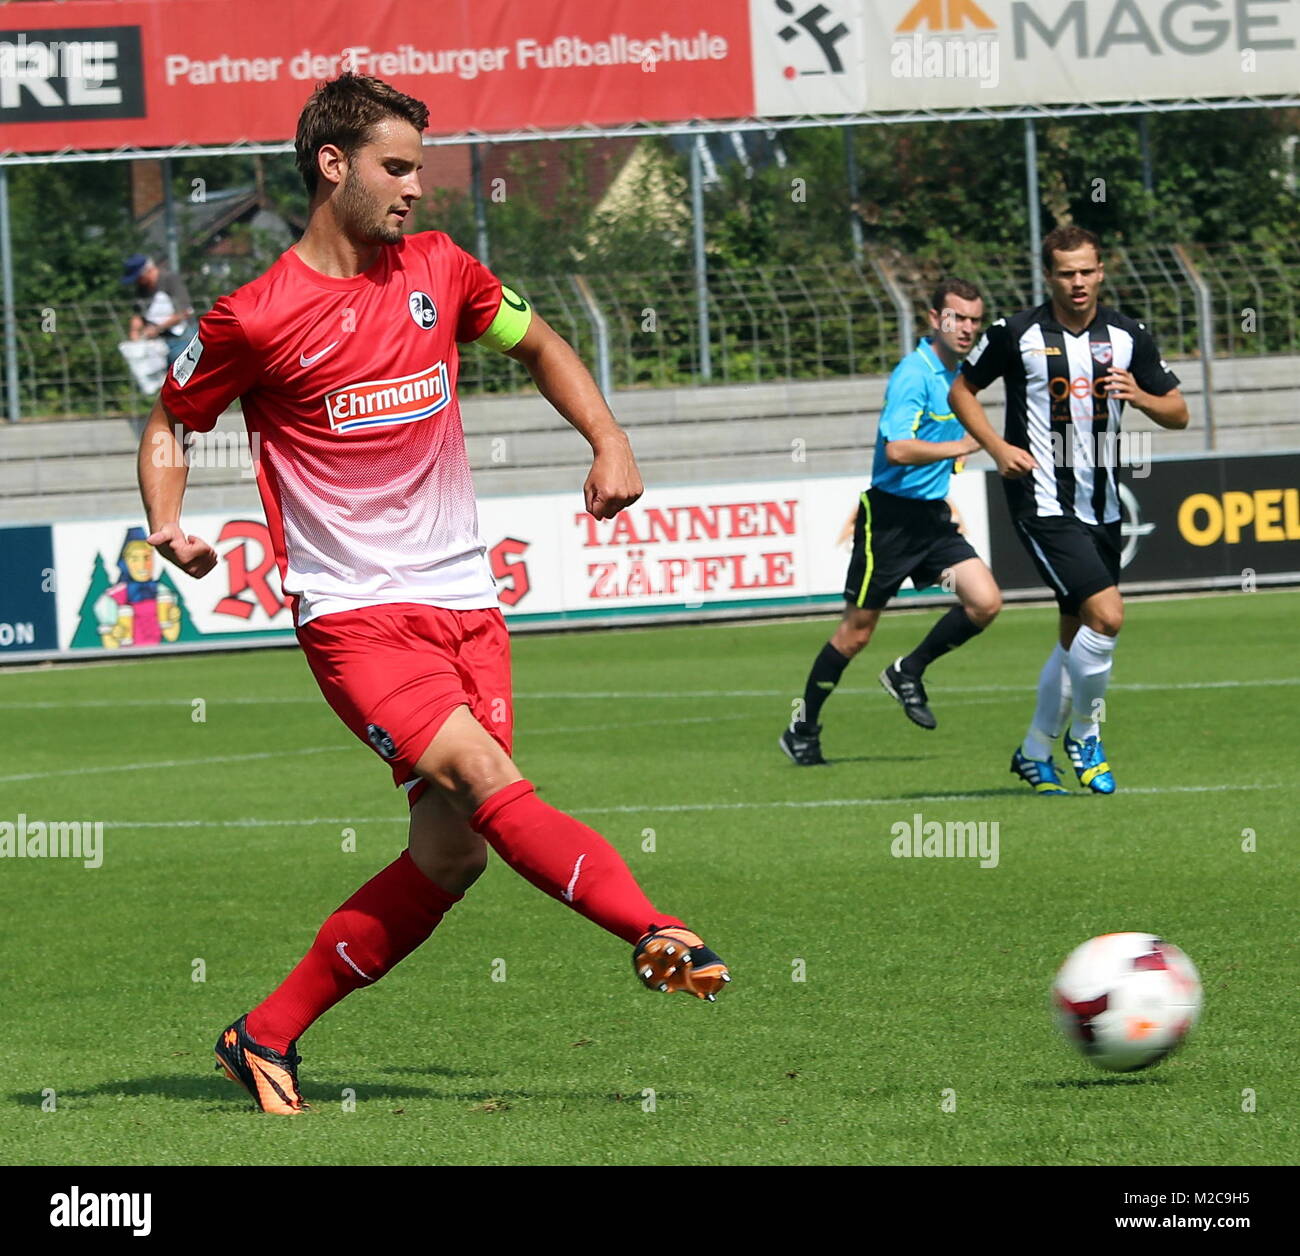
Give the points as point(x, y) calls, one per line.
point(377, 928)
point(567, 860)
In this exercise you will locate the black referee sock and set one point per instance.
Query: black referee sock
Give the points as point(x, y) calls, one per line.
point(954, 629)
point(823, 678)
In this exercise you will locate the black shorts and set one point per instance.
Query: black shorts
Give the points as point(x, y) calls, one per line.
point(1075, 559)
point(896, 537)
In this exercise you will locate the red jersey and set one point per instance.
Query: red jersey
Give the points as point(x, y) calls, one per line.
point(348, 388)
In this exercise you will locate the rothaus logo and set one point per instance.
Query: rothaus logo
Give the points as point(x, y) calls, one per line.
point(70, 74)
point(385, 402)
point(125, 1211)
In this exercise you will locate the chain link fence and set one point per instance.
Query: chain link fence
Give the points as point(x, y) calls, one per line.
point(812, 322)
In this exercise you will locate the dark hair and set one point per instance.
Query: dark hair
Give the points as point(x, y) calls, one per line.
point(1064, 240)
point(342, 112)
point(950, 285)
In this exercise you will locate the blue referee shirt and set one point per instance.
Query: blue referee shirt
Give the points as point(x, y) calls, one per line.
point(916, 408)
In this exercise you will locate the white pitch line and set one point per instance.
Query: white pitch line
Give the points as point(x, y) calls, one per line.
point(169, 763)
point(249, 758)
point(995, 689)
point(788, 804)
point(881, 802)
point(115, 703)
point(689, 695)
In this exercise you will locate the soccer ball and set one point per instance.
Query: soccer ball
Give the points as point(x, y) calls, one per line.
point(1126, 1000)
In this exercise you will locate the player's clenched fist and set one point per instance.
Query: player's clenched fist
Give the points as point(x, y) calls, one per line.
point(1014, 462)
point(614, 482)
point(193, 555)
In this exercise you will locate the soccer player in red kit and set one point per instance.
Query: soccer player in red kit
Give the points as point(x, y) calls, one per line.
point(345, 356)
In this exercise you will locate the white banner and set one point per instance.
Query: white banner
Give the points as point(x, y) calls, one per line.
point(850, 56)
point(698, 547)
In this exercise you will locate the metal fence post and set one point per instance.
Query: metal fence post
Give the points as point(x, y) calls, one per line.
point(701, 263)
point(902, 306)
point(604, 376)
point(12, 409)
point(480, 205)
point(1035, 211)
point(1204, 335)
point(851, 173)
point(169, 219)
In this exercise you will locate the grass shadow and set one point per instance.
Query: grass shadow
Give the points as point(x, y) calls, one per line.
point(1091, 1083)
point(207, 1088)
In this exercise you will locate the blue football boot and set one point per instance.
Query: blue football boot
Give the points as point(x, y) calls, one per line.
point(1040, 773)
point(1090, 764)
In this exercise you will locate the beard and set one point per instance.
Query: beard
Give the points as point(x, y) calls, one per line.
point(362, 216)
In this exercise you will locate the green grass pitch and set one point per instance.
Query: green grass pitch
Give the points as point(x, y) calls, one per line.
point(924, 980)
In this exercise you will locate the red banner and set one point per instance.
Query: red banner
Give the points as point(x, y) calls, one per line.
point(102, 74)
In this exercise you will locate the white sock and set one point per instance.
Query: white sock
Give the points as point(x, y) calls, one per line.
point(1089, 663)
point(1052, 709)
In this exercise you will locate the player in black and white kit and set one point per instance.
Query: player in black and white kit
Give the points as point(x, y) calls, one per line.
point(1069, 367)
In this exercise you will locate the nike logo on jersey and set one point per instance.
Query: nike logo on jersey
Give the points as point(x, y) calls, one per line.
point(304, 360)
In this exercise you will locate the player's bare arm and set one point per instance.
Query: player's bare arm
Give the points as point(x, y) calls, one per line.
point(1169, 411)
point(561, 377)
point(921, 453)
point(1013, 462)
point(162, 472)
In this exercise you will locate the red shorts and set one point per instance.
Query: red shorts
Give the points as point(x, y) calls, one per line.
point(394, 673)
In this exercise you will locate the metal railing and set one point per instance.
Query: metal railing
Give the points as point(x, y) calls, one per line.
point(767, 323)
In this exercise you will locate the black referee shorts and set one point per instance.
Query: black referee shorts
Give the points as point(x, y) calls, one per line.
point(1075, 559)
point(897, 537)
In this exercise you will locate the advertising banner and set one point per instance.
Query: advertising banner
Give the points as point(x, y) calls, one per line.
point(685, 552)
point(888, 55)
point(94, 75)
point(682, 553)
point(1193, 522)
point(153, 73)
point(696, 547)
point(27, 590)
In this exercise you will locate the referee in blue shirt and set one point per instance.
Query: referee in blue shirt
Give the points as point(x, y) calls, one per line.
point(905, 527)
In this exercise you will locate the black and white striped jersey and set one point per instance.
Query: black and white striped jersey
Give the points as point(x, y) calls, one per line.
point(1057, 406)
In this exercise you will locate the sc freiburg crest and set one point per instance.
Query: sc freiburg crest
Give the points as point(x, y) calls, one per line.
point(423, 311)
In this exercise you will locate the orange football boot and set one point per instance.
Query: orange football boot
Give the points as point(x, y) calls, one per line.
point(674, 958)
point(271, 1078)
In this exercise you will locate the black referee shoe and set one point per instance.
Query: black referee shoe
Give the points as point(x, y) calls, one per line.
point(909, 693)
point(802, 744)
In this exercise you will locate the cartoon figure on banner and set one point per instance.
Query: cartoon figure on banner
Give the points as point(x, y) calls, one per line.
point(138, 610)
